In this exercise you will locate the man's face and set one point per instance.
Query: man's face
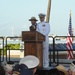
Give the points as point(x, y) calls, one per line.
point(42, 19)
point(33, 22)
point(73, 73)
point(69, 72)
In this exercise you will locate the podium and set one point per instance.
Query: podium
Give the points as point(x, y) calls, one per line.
point(33, 44)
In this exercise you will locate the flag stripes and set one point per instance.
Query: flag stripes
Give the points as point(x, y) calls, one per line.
point(69, 41)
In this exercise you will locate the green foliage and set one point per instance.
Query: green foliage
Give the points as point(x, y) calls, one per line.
point(11, 47)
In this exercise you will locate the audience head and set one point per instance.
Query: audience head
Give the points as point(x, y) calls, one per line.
point(72, 66)
point(53, 71)
point(62, 70)
point(30, 61)
point(2, 71)
point(71, 70)
point(8, 67)
point(21, 69)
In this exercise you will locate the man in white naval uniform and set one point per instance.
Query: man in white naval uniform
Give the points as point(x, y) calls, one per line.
point(44, 28)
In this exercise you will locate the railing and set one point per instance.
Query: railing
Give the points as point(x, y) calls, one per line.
point(59, 55)
point(54, 52)
point(8, 48)
point(1, 49)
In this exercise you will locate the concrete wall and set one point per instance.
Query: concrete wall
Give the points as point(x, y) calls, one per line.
point(16, 53)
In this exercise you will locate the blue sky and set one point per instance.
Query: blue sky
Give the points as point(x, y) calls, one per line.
point(14, 15)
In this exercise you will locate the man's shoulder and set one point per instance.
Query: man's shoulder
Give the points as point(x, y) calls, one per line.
point(47, 23)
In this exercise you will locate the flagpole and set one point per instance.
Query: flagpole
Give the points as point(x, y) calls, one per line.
point(72, 28)
point(70, 13)
point(48, 11)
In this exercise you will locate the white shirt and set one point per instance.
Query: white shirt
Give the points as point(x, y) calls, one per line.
point(43, 28)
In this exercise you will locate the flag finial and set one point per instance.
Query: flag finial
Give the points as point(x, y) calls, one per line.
point(70, 13)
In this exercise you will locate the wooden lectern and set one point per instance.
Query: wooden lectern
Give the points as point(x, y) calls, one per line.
point(33, 44)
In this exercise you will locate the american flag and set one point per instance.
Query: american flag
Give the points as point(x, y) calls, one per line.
point(69, 41)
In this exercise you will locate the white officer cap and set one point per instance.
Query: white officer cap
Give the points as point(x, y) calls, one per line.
point(41, 15)
point(30, 61)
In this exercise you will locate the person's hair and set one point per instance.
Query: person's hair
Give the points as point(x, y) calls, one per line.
point(53, 71)
point(2, 71)
point(62, 73)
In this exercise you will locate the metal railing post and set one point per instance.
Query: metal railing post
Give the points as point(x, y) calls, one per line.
point(53, 50)
point(6, 49)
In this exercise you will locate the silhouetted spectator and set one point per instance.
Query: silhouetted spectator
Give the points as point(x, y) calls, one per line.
point(21, 69)
point(8, 67)
point(31, 62)
point(62, 70)
point(2, 71)
point(53, 71)
point(71, 70)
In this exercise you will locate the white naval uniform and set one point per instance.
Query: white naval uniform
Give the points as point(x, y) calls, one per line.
point(44, 28)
